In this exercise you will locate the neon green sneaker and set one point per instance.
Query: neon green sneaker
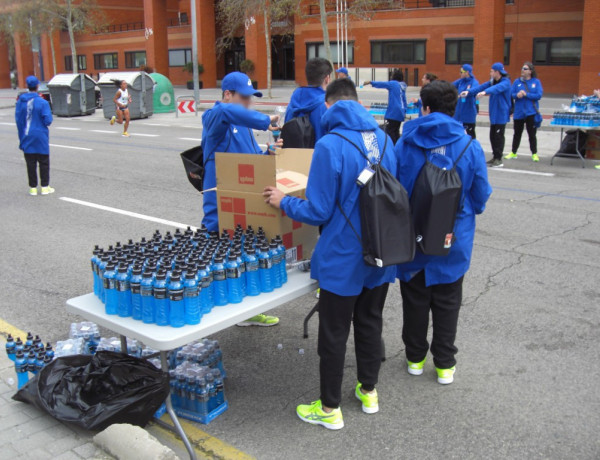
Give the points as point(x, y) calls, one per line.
point(33, 191)
point(415, 368)
point(112, 120)
point(260, 320)
point(370, 401)
point(597, 166)
point(47, 190)
point(314, 414)
point(511, 156)
point(446, 376)
point(535, 158)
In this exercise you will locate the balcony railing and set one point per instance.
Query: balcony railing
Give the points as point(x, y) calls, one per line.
point(391, 5)
point(176, 22)
point(128, 26)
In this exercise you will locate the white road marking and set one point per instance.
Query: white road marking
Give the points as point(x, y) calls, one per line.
point(70, 147)
point(102, 131)
point(5, 123)
point(158, 220)
point(68, 129)
point(520, 171)
point(193, 139)
point(145, 135)
point(192, 126)
point(154, 124)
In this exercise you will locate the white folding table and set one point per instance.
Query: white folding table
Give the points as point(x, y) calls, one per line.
point(166, 338)
point(585, 129)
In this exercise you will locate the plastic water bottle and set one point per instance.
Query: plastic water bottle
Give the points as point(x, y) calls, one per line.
point(283, 254)
point(190, 393)
point(29, 340)
point(95, 260)
point(49, 351)
point(136, 292)
point(161, 300)
point(19, 346)
point(123, 292)
point(101, 269)
point(276, 269)
point(219, 282)
point(242, 266)
point(21, 369)
point(147, 297)
point(252, 276)
point(172, 385)
point(234, 280)
point(180, 389)
point(219, 387)
point(176, 303)
point(206, 290)
point(191, 298)
point(201, 397)
point(39, 362)
point(31, 360)
point(10, 348)
point(212, 392)
point(110, 290)
point(265, 265)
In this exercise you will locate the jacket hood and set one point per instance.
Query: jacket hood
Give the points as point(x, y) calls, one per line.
point(306, 99)
point(403, 85)
point(433, 130)
point(348, 115)
point(28, 95)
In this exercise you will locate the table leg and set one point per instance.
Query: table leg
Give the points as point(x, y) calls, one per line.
point(123, 344)
point(562, 130)
point(177, 426)
point(578, 151)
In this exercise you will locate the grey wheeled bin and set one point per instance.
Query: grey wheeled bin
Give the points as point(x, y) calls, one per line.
point(72, 94)
point(141, 89)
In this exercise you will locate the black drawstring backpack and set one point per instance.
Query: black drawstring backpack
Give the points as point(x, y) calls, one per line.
point(194, 164)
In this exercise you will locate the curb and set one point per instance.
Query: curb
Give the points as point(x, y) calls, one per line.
point(124, 441)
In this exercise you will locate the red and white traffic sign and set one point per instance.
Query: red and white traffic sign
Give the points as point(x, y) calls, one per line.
point(186, 107)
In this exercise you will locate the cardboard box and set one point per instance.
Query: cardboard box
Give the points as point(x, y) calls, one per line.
point(592, 147)
point(241, 179)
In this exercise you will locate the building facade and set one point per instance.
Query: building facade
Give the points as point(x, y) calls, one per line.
point(562, 38)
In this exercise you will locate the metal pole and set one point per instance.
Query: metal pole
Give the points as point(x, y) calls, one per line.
point(346, 33)
point(337, 28)
point(195, 55)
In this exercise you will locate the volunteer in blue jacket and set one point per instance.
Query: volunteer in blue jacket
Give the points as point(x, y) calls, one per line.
point(351, 291)
point(434, 283)
point(526, 92)
point(342, 72)
point(498, 89)
point(396, 111)
point(33, 116)
point(466, 109)
point(425, 80)
point(310, 100)
point(227, 127)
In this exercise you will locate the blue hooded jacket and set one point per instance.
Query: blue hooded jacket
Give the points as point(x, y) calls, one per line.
point(308, 100)
point(528, 105)
point(33, 116)
point(499, 100)
point(226, 128)
point(421, 136)
point(466, 112)
point(337, 262)
point(396, 99)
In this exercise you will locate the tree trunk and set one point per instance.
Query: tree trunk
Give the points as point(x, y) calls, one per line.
point(72, 37)
point(323, 14)
point(52, 50)
point(268, 44)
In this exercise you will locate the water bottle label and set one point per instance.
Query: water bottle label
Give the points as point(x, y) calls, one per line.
point(219, 275)
point(135, 288)
point(109, 283)
point(123, 286)
point(176, 295)
point(160, 293)
point(234, 273)
point(191, 292)
point(145, 292)
point(206, 282)
point(265, 263)
point(242, 268)
point(252, 266)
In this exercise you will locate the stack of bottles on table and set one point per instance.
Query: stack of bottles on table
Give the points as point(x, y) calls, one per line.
point(197, 376)
point(583, 112)
point(175, 279)
point(412, 109)
point(29, 357)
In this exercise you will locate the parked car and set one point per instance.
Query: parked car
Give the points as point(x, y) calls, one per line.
point(42, 91)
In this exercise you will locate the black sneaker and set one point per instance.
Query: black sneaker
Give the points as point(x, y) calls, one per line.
point(489, 162)
point(497, 163)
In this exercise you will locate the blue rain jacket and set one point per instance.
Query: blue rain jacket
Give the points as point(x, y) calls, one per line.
point(499, 100)
point(337, 262)
point(226, 128)
point(308, 100)
point(528, 105)
point(423, 135)
point(33, 116)
point(466, 112)
point(396, 99)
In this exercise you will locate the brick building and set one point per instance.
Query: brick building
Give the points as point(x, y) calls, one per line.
point(561, 37)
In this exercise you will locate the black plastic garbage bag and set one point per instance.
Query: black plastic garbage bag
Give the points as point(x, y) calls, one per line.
point(569, 143)
point(94, 392)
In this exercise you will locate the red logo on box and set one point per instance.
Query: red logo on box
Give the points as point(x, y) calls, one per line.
point(246, 174)
point(226, 204)
point(239, 206)
point(239, 219)
point(296, 225)
point(287, 182)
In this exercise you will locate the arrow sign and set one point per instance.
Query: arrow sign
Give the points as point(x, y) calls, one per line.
point(186, 107)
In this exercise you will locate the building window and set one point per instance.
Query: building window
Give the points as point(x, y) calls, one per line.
point(459, 51)
point(179, 58)
point(81, 62)
point(318, 50)
point(507, 51)
point(135, 59)
point(398, 52)
point(557, 51)
point(106, 61)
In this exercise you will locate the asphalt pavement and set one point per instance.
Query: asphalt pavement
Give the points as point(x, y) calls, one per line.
point(526, 383)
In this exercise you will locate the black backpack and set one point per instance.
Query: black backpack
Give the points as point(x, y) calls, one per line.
point(298, 133)
point(386, 224)
point(194, 164)
point(435, 202)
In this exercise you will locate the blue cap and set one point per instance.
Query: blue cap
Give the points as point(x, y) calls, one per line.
point(240, 83)
point(499, 67)
point(467, 68)
point(31, 81)
point(342, 70)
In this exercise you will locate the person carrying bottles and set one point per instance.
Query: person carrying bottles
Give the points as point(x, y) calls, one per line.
point(396, 111)
point(351, 291)
point(466, 109)
point(498, 89)
point(227, 127)
point(526, 92)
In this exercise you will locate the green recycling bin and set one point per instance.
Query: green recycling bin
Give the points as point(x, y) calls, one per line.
point(164, 96)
